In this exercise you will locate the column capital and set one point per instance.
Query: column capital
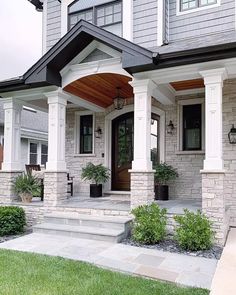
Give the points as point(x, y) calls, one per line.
point(145, 85)
point(12, 103)
point(213, 76)
point(58, 96)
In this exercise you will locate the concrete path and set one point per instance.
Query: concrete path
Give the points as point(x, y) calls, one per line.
point(224, 282)
point(182, 269)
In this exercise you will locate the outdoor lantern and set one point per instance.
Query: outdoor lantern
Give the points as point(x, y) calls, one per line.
point(232, 135)
point(98, 132)
point(119, 101)
point(170, 127)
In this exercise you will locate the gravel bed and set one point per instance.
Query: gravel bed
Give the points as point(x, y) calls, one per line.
point(8, 238)
point(170, 245)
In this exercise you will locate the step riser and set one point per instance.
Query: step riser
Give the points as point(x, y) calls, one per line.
point(117, 197)
point(68, 221)
point(89, 236)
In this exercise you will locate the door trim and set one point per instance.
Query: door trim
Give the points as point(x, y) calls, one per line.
point(108, 135)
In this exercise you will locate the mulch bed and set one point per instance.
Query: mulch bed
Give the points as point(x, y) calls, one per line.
point(170, 245)
point(8, 238)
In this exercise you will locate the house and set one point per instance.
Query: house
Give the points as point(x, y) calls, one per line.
point(174, 64)
point(34, 136)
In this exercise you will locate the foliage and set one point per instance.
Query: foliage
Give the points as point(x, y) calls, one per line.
point(27, 183)
point(12, 220)
point(98, 174)
point(193, 231)
point(27, 274)
point(164, 173)
point(149, 224)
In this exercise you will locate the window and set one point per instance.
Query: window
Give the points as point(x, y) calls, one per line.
point(192, 127)
point(155, 157)
point(191, 4)
point(108, 16)
point(38, 153)
point(86, 134)
point(44, 154)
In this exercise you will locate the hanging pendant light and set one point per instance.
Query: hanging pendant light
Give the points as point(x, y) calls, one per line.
point(118, 101)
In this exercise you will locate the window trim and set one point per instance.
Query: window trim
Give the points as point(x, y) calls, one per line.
point(39, 150)
point(179, 12)
point(77, 133)
point(182, 103)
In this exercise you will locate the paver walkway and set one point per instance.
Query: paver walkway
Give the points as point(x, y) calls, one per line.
point(178, 268)
point(224, 282)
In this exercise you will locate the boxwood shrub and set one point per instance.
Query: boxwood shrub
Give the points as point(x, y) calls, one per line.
point(12, 220)
point(193, 231)
point(149, 226)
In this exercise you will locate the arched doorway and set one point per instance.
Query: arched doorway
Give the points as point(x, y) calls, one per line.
point(122, 148)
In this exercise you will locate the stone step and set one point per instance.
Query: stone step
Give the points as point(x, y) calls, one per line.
point(83, 232)
point(118, 195)
point(109, 222)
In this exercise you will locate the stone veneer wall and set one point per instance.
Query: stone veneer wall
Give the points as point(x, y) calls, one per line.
point(229, 150)
point(187, 186)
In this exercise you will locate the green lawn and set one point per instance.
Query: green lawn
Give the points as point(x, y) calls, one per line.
point(24, 274)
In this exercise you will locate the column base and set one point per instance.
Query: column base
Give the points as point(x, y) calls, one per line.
point(55, 188)
point(7, 194)
point(213, 204)
point(142, 187)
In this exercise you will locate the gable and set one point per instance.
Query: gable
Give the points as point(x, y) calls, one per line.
point(96, 55)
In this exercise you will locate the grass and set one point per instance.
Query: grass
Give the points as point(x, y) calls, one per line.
point(31, 274)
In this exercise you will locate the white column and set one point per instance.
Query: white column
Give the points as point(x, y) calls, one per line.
point(57, 101)
point(213, 80)
point(142, 124)
point(12, 135)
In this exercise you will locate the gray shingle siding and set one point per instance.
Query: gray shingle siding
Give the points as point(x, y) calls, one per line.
point(53, 22)
point(145, 22)
point(203, 22)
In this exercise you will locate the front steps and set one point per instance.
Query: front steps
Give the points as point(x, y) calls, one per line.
point(118, 195)
point(103, 228)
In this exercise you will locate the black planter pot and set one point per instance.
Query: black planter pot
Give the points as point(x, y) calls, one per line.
point(95, 190)
point(161, 192)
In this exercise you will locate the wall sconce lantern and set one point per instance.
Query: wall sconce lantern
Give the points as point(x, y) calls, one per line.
point(118, 101)
point(170, 127)
point(98, 132)
point(232, 135)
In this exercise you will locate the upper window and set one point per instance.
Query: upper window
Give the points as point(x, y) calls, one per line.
point(192, 127)
point(33, 156)
point(38, 153)
point(191, 4)
point(108, 16)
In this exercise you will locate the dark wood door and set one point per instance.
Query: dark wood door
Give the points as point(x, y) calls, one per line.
point(122, 151)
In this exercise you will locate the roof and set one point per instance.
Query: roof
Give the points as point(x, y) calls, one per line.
point(38, 4)
point(134, 57)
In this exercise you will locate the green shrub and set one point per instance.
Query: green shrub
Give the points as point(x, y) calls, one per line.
point(98, 174)
point(193, 231)
point(27, 183)
point(149, 225)
point(164, 173)
point(12, 220)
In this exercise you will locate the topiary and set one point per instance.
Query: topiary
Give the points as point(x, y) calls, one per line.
point(12, 220)
point(149, 226)
point(193, 231)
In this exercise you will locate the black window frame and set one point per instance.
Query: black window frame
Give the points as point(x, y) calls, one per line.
point(184, 146)
point(94, 13)
point(198, 5)
point(82, 150)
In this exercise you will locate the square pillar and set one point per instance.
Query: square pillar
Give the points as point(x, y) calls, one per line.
point(213, 200)
point(55, 176)
point(11, 166)
point(142, 174)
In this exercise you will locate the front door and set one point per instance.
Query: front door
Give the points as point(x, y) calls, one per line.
point(122, 151)
point(122, 148)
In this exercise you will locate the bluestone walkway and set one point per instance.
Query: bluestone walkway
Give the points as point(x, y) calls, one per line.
point(224, 282)
point(178, 268)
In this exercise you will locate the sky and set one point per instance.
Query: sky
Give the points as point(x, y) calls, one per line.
point(20, 37)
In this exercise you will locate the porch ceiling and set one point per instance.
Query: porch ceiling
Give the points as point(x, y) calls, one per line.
point(188, 84)
point(100, 89)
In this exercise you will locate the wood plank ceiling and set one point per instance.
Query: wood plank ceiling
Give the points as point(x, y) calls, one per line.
point(187, 85)
point(101, 89)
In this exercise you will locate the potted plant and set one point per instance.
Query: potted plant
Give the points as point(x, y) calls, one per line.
point(98, 174)
point(163, 174)
point(27, 186)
